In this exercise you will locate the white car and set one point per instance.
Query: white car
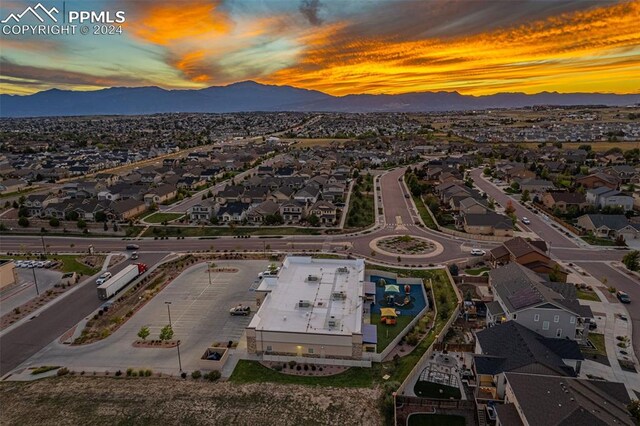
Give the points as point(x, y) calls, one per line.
point(269, 273)
point(526, 221)
point(478, 252)
point(102, 278)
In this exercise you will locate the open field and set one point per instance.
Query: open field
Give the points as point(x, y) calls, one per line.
point(151, 401)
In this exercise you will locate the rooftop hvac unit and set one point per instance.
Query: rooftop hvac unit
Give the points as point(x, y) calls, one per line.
point(313, 278)
point(333, 323)
point(343, 270)
point(339, 295)
point(304, 304)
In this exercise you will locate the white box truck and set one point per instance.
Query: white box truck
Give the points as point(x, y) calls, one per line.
point(120, 280)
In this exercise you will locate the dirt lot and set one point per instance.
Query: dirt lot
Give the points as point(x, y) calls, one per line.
point(142, 401)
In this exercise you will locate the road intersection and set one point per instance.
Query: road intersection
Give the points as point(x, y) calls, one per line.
point(400, 217)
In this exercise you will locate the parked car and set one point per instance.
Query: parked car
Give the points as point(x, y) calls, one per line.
point(478, 252)
point(132, 247)
point(491, 412)
point(104, 277)
point(240, 310)
point(623, 297)
point(269, 273)
point(407, 196)
point(526, 221)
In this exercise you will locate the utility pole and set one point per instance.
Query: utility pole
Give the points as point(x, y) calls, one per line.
point(44, 247)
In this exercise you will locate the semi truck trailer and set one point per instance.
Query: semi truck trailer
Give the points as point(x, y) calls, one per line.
point(120, 280)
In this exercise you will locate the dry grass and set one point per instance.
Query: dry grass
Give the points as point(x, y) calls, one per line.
point(304, 142)
point(151, 401)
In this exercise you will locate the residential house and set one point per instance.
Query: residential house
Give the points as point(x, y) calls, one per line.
point(128, 209)
point(596, 180)
point(561, 401)
point(564, 201)
point(531, 254)
point(325, 211)
point(309, 194)
point(36, 203)
point(526, 352)
point(293, 211)
point(259, 213)
point(234, 211)
point(12, 185)
point(604, 196)
point(535, 185)
point(488, 223)
point(162, 194)
point(201, 212)
point(609, 226)
point(624, 173)
point(229, 194)
point(549, 309)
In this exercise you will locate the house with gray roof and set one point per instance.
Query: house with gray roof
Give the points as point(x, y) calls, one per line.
point(527, 352)
point(562, 401)
point(527, 298)
point(609, 226)
point(602, 197)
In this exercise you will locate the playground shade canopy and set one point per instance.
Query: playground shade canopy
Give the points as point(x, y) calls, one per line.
point(391, 288)
point(388, 312)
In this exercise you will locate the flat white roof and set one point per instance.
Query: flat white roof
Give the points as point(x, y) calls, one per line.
point(321, 296)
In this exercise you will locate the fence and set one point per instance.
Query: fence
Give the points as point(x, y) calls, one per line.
point(435, 403)
point(320, 361)
point(466, 279)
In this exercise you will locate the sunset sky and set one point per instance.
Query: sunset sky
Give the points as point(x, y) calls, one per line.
point(339, 47)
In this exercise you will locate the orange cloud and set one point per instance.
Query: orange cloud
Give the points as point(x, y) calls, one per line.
point(560, 53)
point(165, 24)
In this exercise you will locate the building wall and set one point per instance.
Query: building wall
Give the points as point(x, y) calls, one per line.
point(306, 344)
point(8, 274)
point(527, 318)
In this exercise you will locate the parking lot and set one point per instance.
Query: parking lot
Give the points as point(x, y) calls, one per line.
point(199, 316)
point(25, 288)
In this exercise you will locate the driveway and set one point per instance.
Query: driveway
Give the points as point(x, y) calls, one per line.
point(199, 315)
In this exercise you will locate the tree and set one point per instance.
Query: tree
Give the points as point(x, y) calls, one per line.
point(15, 205)
point(515, 186)
point(144, 332)
point(23, 212)
point(454, 270)
point(313, 220)
point(23, 221)
point(72, 215)
point(166, 333)
point(101, 216)
point(555, 275)
point(105, 227)
point(54, 222)
point(620, 241)
point(509, 210)
point(632, 260)
point(634, 409)
point(525, 196)
point(81, 224)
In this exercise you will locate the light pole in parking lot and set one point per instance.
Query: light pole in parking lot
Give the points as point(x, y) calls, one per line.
point(178, 343)
point(35, 281)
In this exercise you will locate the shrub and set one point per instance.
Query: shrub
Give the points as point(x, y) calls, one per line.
point(196, 374)
point(298, 368)
point(134, 374)
point(212, 376)
point(292, 364)
point(130, 372)
point(148, 373)
point(278, 367)
point(306, 367)
point(118, 373)
point(183, 375)
point(313, 368)
point(63, 371)
point(141, 373)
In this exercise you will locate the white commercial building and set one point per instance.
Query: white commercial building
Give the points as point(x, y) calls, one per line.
point(312, 308)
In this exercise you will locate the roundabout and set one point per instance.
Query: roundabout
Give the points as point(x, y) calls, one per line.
point(406, 246)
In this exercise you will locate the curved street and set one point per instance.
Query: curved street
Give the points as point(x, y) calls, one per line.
point(399, 218)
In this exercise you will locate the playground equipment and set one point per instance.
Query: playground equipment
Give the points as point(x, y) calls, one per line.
point(388, 316)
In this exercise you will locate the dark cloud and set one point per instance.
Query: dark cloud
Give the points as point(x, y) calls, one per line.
point(55, 76)
point(310, 9)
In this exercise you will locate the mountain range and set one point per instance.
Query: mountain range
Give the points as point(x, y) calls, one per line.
point(252, 96)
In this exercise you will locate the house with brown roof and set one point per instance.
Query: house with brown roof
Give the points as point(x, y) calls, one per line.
point(127, 209)
point(596, 180)
point(531, 254)
point(564, 201)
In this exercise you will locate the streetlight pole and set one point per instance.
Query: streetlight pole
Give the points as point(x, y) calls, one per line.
point(178, 344)
point(35, 280)
point(209, 272)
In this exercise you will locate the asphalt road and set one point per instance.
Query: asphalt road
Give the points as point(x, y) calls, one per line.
point(19, 344)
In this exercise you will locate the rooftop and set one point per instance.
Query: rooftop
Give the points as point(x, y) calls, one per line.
point(321, 296)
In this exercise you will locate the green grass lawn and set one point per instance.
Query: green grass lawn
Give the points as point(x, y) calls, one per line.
point(433, 390)
point(386, 333)
point(361, 213)
point(162, 217)
point(169, 231)
point(477, 271)
point(598, 342)
point(424, 212)
point(598, 241)
point(587, 295)
point(435, 420)
point(254, 372)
